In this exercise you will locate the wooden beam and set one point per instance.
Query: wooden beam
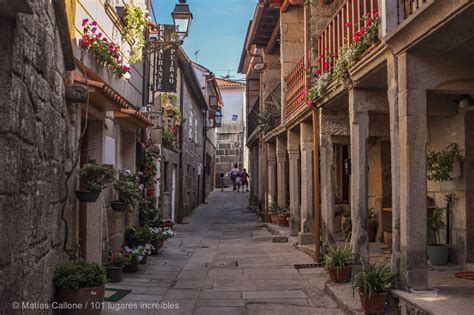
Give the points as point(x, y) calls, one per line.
point(273, 38)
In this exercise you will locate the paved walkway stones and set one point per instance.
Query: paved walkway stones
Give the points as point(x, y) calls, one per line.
point(222, 261)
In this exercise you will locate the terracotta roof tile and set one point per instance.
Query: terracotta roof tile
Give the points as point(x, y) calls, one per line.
point(227, 83)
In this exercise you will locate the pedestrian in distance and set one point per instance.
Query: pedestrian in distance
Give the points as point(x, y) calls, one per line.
point(233, 175)
point(245, 180)
point(238, 182)
point(222, 181)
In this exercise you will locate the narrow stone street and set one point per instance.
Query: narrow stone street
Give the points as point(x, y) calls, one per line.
point(222, 261)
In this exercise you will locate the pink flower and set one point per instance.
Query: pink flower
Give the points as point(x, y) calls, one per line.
point(368, 22)
point(94, 23)
point(99, 35)
point(367, 14)
point(104, 39)
point(375, 13)
point(84, 21)
point(304, 93)
point(310, 102)
point(314, 79)
point(318, 72)
point(347, 24)
point(356, 36)
point(320, 57)
point(326, 65)
point(93, 29)
point(362, 31)
point(126, 68)
point(334, 55)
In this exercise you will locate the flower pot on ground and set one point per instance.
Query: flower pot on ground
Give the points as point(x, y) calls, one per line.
point(95, 178)
point(372, 225)
point(158, 236)
point(144, 260)
point(372, 283)
point(438, 253)
point(275, 218)
point(114, 273)
point(114, 265)
point(337, 262)
point(80, 282)
point(137, 236)
point(133, 257)
point(387, 238)
point(132, 266)
point(283, 219)
point(169, 223)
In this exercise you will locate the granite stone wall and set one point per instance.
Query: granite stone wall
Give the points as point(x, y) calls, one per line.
point(37, 143)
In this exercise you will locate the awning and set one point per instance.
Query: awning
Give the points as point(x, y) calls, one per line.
point(133, 117)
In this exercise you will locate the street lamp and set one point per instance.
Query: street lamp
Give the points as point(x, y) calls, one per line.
point(182, 18)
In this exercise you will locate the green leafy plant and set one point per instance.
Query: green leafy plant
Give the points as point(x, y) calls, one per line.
point(338, 257)
point(371, 216)
point(147, 210)
point(116, 259)
point(135, 236)
point(127, 189)
point(79, 274)
point(373, 279)
point(96, 177)
point(169, 138)
point(440, 164)
point(136, 22)
point(133, 254)
point(436, 222)
point(151, 156)
point(270, 116)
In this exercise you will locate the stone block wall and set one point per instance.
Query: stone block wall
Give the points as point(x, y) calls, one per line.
point(38, 144)
point(228, 152)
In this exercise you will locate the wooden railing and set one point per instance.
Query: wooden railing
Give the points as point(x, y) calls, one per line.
point(295, 84)
point(405, 8)
point(340, 29)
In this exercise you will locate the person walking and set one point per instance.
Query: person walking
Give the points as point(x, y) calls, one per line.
point(245, 180)
point(238, 182)
point(233, 175)
point(222, 181)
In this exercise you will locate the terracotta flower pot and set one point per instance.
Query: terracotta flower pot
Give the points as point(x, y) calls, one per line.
point(374, 304)
point(288, 220)
point(89, 298)
point(340, 275)
point(275, 218)
point(387, 239)
point(282, 220)
point(114, 273)
point(133, 267)
point(87, 196)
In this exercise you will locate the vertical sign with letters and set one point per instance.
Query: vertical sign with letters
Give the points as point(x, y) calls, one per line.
point(166, 62)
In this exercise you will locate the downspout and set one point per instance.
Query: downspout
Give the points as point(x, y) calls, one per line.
point(204, 166)
point(179, 218)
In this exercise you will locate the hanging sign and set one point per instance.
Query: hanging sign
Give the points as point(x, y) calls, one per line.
point(166, 62)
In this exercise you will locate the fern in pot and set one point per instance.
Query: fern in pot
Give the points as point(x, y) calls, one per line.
point(372, 284)
point(337, 262)
point(438, 253)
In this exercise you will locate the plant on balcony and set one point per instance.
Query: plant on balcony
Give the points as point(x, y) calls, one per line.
point(268, 118)
point(169, 138)
point(128, 191)
point(136, 22)
point(105, 51)
point(441, 164)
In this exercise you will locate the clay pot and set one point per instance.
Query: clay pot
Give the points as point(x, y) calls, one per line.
point(133, 267)
point(87, 196)
point(275, 218)
point(282, 220)
point(372, 231)
point(90, 299)
point(374, 304)
point(119, 205)
point(288, 220)
point(387, 239)
point(114, 273)
point(340, 275)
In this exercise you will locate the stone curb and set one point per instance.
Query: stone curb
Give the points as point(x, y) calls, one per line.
point(342, 295)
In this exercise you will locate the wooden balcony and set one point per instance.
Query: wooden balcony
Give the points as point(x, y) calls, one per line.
point(405, 8)
point(295, 84)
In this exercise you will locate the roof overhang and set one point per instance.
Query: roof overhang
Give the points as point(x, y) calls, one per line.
point(188, 71)
point(133, 118)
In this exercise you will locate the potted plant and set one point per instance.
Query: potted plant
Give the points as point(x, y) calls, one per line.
point(136, 236)
point(169, 110)
point(80, 283)
point(372, 283)
point(144, 251)
point(387, 237)
point(128, 191)
point(132, 257)
point(273, 210)
point(114, 266)
point(96, 178)
point(346, 224)
point(440, 165)
point(337, 262)
point(371, 224)
point(283, 216)
point(438, 253)
point(157, 239)
point(169, 223)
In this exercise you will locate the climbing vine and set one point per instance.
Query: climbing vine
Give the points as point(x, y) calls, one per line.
point(136, 21)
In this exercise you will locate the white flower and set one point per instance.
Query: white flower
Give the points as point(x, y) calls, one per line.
point(126, 75)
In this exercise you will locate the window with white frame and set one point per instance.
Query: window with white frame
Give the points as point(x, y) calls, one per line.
point(191, 120)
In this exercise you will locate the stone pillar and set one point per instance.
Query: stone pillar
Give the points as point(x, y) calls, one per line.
point(413, 139)
point(294, 177)
point(306, 236)
point(359, 128)
point(281, 171)
point(271, 173)
point(251, 171)
point(327, 192)
point(259, 178)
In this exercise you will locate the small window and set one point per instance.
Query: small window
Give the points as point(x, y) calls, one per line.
point(190, 125)
point(196, 130)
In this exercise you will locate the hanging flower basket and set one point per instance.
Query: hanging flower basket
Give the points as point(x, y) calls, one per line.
point(119, 205)
point(87, 196)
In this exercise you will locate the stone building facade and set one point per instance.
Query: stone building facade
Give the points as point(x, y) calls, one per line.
point(230, 136)
point(39, 132)
point(407, 94)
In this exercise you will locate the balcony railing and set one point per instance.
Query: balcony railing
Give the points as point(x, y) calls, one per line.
point(295, 84)
point(405, 8)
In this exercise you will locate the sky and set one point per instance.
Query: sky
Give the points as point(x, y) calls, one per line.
point(217, 31)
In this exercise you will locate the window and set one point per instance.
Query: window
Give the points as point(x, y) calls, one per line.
point(196, 130)
point(190, 125)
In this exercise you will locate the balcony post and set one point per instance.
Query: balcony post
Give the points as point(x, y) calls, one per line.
point(306, 236)
point(271, 173)
point(281, 171)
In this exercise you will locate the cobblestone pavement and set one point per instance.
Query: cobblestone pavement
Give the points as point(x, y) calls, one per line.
point(222, 261)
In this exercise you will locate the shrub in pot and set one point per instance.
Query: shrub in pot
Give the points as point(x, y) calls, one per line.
point(95, 178)
point(132, 257)
point(80, 282)
point(438, 253)
point(128, 191)
point(145, 251)
point(337, 262)
point(372, 283)
point(157, 239)
point(371, 224)
point(114, 266)
point(136, 236)
point(283, 216)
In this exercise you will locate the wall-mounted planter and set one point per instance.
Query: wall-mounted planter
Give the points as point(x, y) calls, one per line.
point(119, 205)
point(87, 196)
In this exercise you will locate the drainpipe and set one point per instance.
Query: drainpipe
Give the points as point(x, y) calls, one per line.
point(204, 164)
point(179, 218)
